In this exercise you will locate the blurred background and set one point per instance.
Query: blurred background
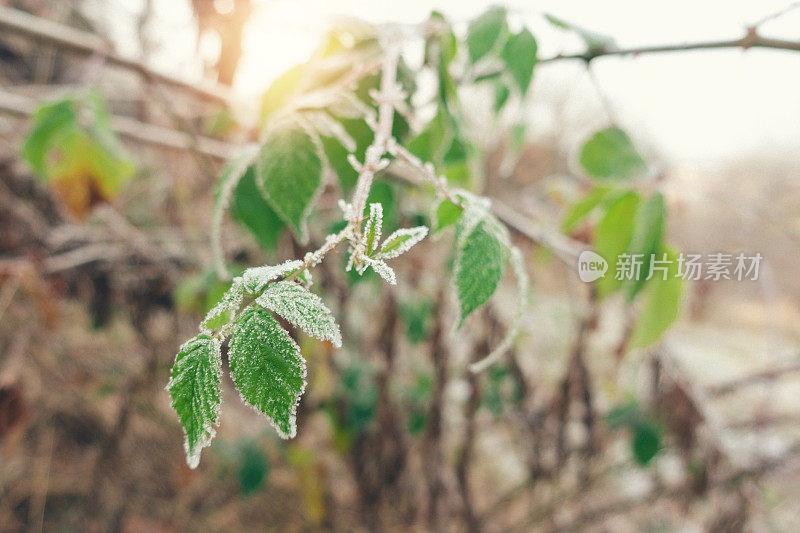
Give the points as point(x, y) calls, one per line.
point(98, 289)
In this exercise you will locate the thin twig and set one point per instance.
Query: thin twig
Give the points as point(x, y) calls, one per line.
point(776, 14)
point(752, 379)
point(133, 129)
point(66, 37)
point(750, 40)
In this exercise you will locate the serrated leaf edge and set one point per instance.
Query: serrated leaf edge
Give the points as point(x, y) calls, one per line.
point(264, 301)
point(193, 458)
point(293, 414)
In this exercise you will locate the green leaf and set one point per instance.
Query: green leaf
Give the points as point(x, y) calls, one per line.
point(416, 315)
point(374, 227)
point(224, 312)
point(447, 214)
point(301, 308)
point(256, 278)
point(480, 259)
point(382, 269)
point(646, 238)
point(484, 32)
point(290, 174)
point(519, 55)
point(613, 237)
point(646, 441)
point(401, 241)
point(583, 208)
point(336, 153)
point(386, 194)
point(610, 153)
point(253, 467)
point(250, 209)
point(267, 368)
point(501, 94)
point(624, 415)
point(660, 306)
point(49, 122)
point(281, 91)
point(194, 387)
point(433, 143)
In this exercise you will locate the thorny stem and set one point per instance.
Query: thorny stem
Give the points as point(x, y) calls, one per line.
point(373, 159)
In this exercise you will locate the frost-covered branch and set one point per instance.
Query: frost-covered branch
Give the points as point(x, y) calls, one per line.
point(390, 92)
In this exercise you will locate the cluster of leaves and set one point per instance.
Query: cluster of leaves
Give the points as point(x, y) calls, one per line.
point(71, 146)
point(265, 362)
point(319, 121)
point(645, 433)
point(626, 221)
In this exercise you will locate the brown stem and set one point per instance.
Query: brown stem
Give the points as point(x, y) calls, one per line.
point(432, 449)
point(464, 462)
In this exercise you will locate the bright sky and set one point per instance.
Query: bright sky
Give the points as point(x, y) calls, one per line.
point(693, 106)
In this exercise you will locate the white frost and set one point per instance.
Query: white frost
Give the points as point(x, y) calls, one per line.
point(401, 241)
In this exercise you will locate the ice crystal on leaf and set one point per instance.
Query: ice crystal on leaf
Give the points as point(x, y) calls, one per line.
point(195, 393)
point(401, 241)
point(221, 315)
point(383, 270)
point(257, 278)
point(267, 368)
point(372, 232)
point(303, 309)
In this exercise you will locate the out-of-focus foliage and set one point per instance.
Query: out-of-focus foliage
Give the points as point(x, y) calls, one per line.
point(645, 433)
point(72, 147)
point(610, 153)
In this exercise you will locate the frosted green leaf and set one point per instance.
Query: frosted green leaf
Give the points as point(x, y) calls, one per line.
point(523, 286)
point(401, 241)
point(447, 214)
point(224, 312)
point(374, 227)
point(303, 309)
point(484, 32)
point(256, 278)
point(195, 393)
point(267, 368)
point(383, 270)
point(480, 259)
point(289, 171)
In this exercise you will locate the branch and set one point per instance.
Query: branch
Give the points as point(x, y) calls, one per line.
point(752, 379)
point(750, 40)
point(562, 246)
point(373, 159)
point(133, 129)
point(27, 25)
